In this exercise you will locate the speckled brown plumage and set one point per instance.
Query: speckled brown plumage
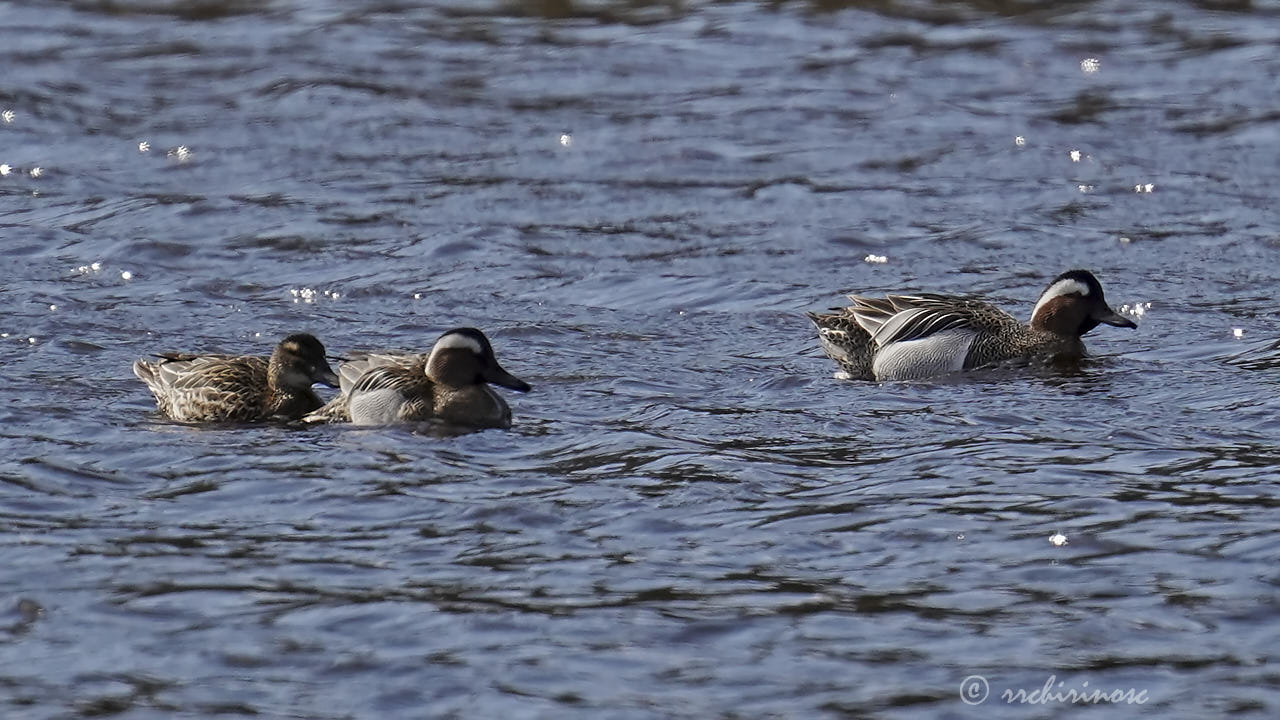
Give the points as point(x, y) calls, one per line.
point(190, 387)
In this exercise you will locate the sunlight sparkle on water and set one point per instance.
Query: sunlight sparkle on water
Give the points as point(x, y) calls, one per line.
point(1019, 141)
point(1238, 332)
point(126, 275)
point(144, 146)
point(310, 295)
point(1090, 65)
point(7, 116)
point(181, 154)
point(566, 140)
point(36, 171)
point(5, 170)
point(1075, 155)
point(876, 259)
point(1137, 309)
point(1058, 539)
point(1144, 187)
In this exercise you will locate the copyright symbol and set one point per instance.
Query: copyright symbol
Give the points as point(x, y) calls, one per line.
point(973, 690)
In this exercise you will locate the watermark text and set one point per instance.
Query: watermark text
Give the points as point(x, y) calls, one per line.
point(974, 690)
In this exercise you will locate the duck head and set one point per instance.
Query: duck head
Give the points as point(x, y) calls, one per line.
point(463, 356)
point(300, 361)
point(1073, 304)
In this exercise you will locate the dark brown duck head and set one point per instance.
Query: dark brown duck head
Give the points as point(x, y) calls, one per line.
point(298, 362)
point(1073, 304)
point(463, 356)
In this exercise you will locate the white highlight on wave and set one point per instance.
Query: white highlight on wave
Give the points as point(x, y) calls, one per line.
point(311, 295)
point(1137, 309)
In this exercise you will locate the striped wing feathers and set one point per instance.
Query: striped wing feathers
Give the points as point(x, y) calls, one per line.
point(903, 318)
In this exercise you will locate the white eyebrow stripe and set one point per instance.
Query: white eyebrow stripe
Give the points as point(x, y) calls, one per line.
point(457, 341)
point(1066, 286)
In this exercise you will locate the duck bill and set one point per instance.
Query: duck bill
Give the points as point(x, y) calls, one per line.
point(498, 376)
point(326, 376)
point(1115, 319)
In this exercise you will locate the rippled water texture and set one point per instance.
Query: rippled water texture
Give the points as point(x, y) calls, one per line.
point(638, 201)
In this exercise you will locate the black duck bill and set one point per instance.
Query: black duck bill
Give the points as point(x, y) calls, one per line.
point(494, 373)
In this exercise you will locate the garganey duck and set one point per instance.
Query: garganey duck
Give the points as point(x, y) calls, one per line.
point(450, 384)
point(906, 337)
point(239, 388)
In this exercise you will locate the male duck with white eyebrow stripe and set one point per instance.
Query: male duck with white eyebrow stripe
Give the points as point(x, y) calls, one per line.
point(906, 337)
point(449, 385)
